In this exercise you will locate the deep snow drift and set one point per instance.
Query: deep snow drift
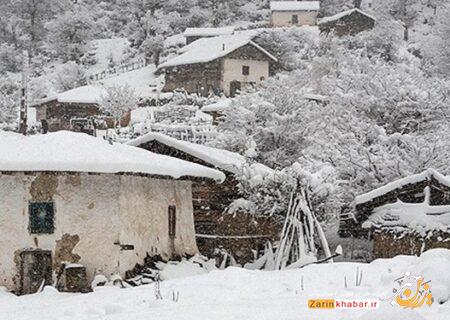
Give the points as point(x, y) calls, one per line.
point(244, 294)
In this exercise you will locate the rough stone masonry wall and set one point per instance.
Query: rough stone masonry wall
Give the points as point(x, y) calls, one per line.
point(387, 244)
point(210, 200)
point(348, 25)
point(94, 215)
point(411, 193)
point(58, 115)
point(200, 78)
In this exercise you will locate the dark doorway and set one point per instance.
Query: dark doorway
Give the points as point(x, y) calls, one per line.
point(36, 269)
point(295, 19)
point(235, 88)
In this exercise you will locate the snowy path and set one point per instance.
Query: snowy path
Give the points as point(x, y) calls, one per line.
point(245, 294)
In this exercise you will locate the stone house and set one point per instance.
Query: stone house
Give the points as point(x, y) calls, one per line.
point(69, 200)
point(64, 111)
point(407, 216)
point(193, 34)
point(347, 22)
point(293, 13)
point(225, 64)
point(239, 234)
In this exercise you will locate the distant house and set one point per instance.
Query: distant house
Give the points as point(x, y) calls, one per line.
point(217, 109)
point(193, 34)
point(347, 22)
point(239, 234)
point(65, 110)
point(406, 216)
point(68, 200)
point(293, 13)
point(225, 64)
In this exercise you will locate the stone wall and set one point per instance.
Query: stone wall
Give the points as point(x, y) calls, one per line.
point(387, 244)
point(411, 193)
point(58, 115)
point(200, 78)
point(348, 25)
point(106, 222)
point(238, 234)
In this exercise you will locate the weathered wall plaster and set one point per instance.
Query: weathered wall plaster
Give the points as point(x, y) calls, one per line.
point(94, 215)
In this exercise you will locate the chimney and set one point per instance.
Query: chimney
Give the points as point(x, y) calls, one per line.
point(223, 47)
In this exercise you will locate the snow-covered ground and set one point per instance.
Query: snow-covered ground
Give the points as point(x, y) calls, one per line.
point(237, 293)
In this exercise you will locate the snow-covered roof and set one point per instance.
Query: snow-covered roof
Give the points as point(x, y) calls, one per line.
point(142, 81)
point(208, 32)
point(221, 105)
point(209, 49)
point(316, 97)
point(427, 174)
point(343, 14)
point(66, 151)
point(295, 5)
point(418, 217)
point(223, 159)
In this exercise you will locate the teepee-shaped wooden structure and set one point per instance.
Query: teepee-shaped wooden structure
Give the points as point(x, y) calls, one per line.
point(298, 246)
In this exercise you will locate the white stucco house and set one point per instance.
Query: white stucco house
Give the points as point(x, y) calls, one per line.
point(293, 13)
point(68, 198)
point(224, 64)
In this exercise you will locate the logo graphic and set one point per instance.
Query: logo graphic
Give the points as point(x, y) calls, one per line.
point(411, 292)
point(343, 304)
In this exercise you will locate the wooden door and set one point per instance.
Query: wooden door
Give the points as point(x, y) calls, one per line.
point(36, 269)
point(235, 88)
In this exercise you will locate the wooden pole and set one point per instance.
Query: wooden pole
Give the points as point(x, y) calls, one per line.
point(23, 101)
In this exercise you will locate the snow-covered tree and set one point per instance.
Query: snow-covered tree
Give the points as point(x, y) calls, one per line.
point(153, 47)
point(69, 33)
point(118, 101)
point(69, 76)
point(9, 103)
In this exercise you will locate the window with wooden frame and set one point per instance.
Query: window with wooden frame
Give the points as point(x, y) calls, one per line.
point(42, 217)
point(172, 221)
point(245, 70)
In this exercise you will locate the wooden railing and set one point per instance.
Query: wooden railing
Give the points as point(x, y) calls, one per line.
point(114, 71)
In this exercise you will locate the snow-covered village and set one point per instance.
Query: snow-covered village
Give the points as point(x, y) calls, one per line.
point(224, 159)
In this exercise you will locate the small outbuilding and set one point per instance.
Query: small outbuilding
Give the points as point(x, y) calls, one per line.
point(239, 234)
point(347, 22)
point(407, 216)
point(193, 34)
point(68, 109)
point(69, 200)
point(294, 13)
point(225, 64)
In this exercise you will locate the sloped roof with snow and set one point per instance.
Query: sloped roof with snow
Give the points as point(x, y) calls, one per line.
point(219, 158)
point(427, 174)
point(218, 106)
point(418, 217)
point(140, 80)
point(295, 5)
point(66, 151)
point(209, 49)
point(343, 14)
point(208, 32)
